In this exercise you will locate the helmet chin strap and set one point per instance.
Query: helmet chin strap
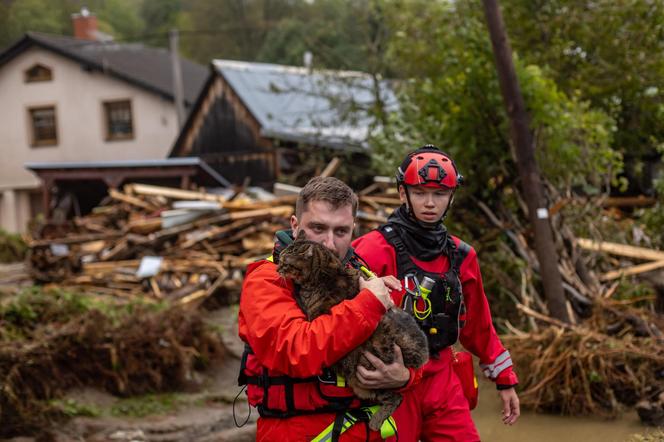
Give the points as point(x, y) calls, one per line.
point(425, 224)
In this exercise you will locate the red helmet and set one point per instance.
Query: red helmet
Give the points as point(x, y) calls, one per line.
point(429, 167)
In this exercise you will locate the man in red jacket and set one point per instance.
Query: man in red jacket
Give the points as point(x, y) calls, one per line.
point(285, 360)
point(443, 289)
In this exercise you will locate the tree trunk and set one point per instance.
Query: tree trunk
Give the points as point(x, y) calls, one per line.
point(531, 182)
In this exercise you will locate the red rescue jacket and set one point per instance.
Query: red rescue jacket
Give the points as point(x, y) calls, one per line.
point(293, 351)
point(478, 334)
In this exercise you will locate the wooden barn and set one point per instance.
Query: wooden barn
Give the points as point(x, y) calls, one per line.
point(255, 121)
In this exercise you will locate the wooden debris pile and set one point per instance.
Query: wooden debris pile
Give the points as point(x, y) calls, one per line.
point(377, 202)
point(611, 361)
point(167, 243)
point(611, 356)
point(173, 244)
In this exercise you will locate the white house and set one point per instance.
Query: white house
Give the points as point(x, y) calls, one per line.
point(70, 99)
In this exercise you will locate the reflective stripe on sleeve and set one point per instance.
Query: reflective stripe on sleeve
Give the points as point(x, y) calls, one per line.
point(502, 362)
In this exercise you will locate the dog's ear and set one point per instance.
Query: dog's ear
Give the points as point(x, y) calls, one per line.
point(310, 251)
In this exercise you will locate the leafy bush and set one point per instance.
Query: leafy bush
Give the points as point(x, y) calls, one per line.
point(12, 247)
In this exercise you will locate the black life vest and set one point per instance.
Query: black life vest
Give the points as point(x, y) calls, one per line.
point(447, 314)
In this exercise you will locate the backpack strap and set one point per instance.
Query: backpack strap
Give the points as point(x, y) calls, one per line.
point(456, 254)
point(405, 264)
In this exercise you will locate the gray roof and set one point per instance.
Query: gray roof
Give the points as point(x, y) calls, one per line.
point(144, 66)
point(328, 108)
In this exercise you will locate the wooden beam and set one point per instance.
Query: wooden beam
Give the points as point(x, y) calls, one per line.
point(282, 189)
point(74, 239)
point(629, 201)
point(274, 211)
point(621, 249)
point(130, 200)
point(146, 189)
point(331, 167)
point(633, 270)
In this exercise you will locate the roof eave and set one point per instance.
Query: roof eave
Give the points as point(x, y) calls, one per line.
point(28, 40)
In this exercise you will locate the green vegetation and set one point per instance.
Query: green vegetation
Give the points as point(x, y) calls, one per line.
point(23, 315)
point(134, 406)
point(72, 408)
point(592, 72)
point(607, 52)
point(140, 406)
point(53, 340)
point(653, 218)
point(454, 100)
point(12, 247)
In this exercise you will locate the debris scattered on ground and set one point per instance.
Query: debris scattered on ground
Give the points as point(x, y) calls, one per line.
point(611, 354)
point(51, 342)
point(600, 367)
point(169, 243)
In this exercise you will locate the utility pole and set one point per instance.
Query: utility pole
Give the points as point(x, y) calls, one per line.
point(531, 181)
point(178, 89)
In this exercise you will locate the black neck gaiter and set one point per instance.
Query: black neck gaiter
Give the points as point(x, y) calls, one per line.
point(422, 243)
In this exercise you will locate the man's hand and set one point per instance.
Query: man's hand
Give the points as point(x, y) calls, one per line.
point(391, 282)
point(379, 289)
point(511, 410)
point(394, 375)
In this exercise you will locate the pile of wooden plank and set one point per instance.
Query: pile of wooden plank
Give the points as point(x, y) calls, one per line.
point(167, 243)
point(174, 244)
point(654, 259)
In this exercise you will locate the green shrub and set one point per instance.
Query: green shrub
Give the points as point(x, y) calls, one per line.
point(12, 247)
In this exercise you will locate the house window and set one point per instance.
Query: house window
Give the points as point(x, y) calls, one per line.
point(119, 125)
point(38, 73)
point(44, 126)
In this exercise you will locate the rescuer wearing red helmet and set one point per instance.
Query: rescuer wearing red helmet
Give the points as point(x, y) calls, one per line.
point(442, 288)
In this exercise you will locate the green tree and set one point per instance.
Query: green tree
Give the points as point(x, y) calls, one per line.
point(452, 98)
point(341, 34)
point(159, 17)
point(234, 29)
point(35, 15)
point(608, 52)
point(120, 18)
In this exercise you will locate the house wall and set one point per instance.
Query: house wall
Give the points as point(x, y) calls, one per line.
point(78, 96)
point(227, 137)
point(8, 210)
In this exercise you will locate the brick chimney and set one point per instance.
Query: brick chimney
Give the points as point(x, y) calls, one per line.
point(85, 25)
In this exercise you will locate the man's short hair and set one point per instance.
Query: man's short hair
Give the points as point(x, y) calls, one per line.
point(329, 189)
